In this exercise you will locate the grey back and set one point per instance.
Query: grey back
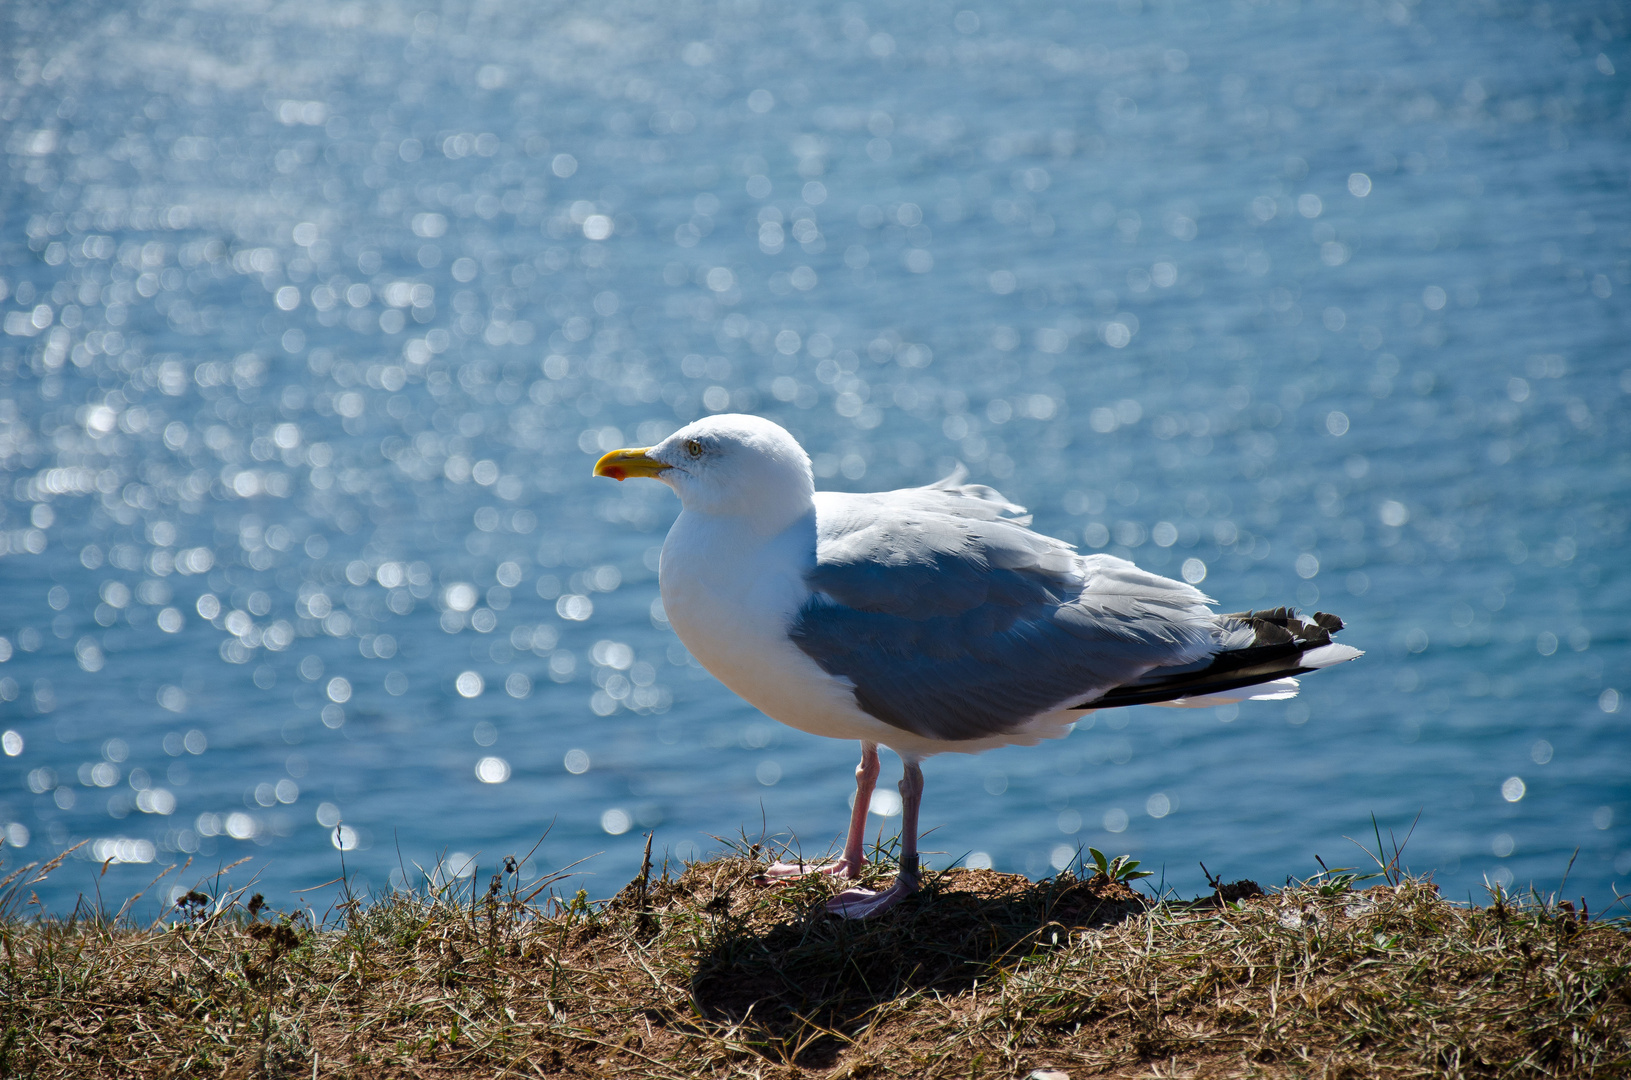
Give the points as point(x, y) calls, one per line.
point(954, 620)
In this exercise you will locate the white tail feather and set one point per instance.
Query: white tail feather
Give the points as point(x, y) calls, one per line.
point(1327, 655)
point(1278, 690)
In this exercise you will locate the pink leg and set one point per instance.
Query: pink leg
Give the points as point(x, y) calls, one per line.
point(863, 903)
point(866, 778)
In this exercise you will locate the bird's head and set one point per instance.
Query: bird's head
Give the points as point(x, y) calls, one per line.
point(730, 464)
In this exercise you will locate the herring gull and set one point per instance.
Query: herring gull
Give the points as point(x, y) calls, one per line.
point(927, 620)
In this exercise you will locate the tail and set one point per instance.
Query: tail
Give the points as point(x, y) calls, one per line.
point(1280, 647)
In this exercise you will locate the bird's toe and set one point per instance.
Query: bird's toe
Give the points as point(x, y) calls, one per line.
point(785, 871)
point(865, 903)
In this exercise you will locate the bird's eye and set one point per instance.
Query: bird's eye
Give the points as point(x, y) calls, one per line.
point(693, 448)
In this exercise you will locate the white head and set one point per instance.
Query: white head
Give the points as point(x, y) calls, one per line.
point(727, 465)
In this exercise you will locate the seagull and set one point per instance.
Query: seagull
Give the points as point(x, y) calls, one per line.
point(927, 620)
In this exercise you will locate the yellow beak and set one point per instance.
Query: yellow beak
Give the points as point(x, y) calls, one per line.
point(622, 464)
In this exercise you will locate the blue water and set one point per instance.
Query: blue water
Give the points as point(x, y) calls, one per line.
point(315, 316)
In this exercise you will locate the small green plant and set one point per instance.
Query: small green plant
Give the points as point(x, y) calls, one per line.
point(1499, 898)
point(1335, 882)
point(1123, 868)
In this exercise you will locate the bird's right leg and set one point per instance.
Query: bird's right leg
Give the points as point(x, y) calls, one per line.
point(866, 778)
point(858, 903)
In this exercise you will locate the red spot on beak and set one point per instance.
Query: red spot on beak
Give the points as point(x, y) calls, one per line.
point(615, 473)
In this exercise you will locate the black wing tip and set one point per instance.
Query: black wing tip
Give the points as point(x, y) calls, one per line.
point(1282, 625)
point(1280, 638)
point(1331, 623)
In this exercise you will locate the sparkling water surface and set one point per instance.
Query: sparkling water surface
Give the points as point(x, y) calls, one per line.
point(316, 315)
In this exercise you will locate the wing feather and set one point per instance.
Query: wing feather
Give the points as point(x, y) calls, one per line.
point(953, 620)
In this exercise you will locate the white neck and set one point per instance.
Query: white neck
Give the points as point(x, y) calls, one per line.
point(765, 512)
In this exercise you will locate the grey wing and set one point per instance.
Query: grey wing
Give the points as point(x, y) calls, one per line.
point(954, 620)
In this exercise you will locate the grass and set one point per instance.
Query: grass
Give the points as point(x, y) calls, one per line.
point(702, 970)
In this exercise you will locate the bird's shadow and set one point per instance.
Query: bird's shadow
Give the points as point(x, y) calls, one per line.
point(799, 984)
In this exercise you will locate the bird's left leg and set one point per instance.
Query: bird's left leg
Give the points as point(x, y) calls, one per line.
point(866, 778)
point(862, 903)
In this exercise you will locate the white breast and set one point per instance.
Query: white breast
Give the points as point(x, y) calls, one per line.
point(731, 596)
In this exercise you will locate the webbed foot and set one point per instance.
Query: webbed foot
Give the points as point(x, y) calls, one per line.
point(865, 903)
point(785, 871)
